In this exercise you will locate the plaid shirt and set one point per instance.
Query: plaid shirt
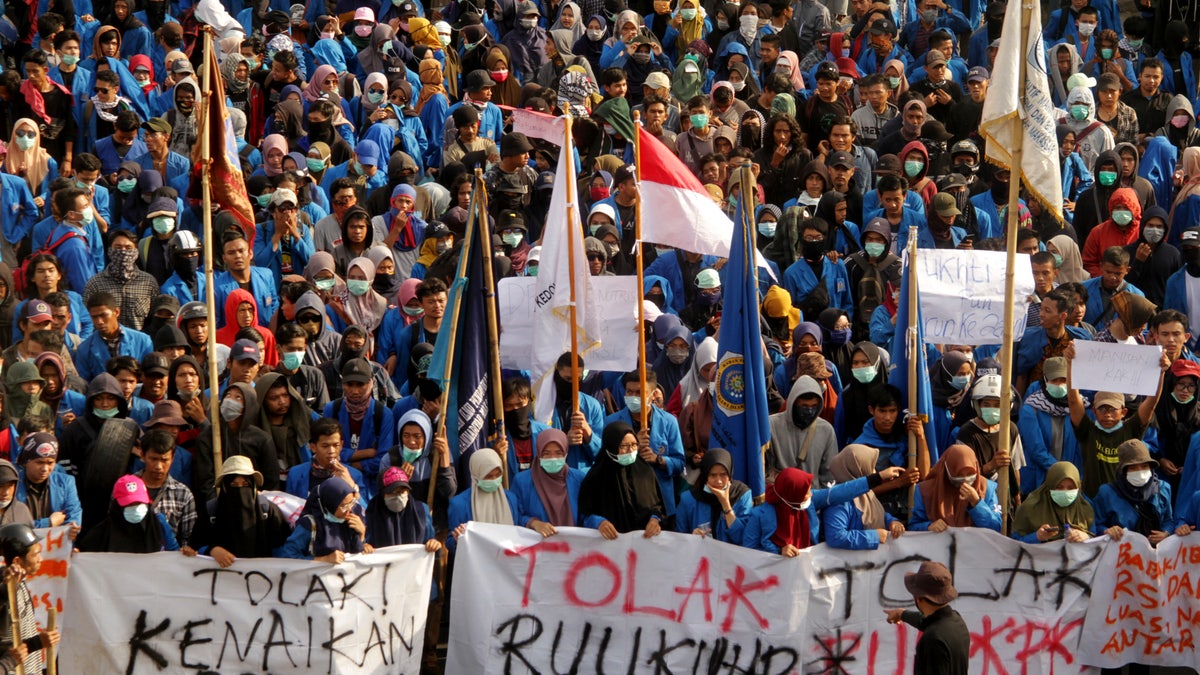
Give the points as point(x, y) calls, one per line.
point(176, 503)
point(133, 295)
point(1124, 126)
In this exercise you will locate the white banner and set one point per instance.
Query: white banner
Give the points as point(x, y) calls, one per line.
point(616, 301)
point(1109, 366)
point(962, 295)
point(680, 603)
point(165, 612)
point(49, 586)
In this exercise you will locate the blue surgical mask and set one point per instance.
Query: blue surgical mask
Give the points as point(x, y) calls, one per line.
point(1080, 112)
point(864, 374)
point(105, 414)
point(263, 199)
point(163, 224)
point(767, 228)
point(1056, 390)
point(1058, 260)
point(126, 185)
point(358, 286)
point(374, 97)
point(324, 284)
point(136, 513)
point(315, 164)
point(990, 416)
point(699, 121)
point(1114, 428)
point(634, 403)
point(488, 484)
point(875, 249)
point(72, 59)
point(292, 360)
point(553, 465)
point(334, 519)
point(960, 382)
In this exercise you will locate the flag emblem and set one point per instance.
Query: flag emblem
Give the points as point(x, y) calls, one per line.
point(731, 384)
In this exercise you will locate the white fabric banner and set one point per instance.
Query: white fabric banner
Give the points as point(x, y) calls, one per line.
point(164, 612)
point(49, 586)
point(962, 295)
point(680, 603)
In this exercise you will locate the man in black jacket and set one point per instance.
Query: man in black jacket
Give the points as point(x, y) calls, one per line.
point(944, 647)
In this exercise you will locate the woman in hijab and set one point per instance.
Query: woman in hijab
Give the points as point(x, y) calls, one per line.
point(387, 283)
point(1055, 510)
point(575, 91)
point(1136, 499)
point(476, 41)
point(696, 381)
point(955, 494)
point(750, 129)
point(27, 160)
point(406, 298)
point(716, 505)
point(590, 45)
point(1070, 261)
point(547, 495)
point(371, 105)
point(897, 81)
point(861, 524)
point(331, 525)
point(288, 122)
point(950, 382)
point(695, 420)
point(558, 58)
point(132, 524)
point(275, 148)
point(322, 274)
point(688, 81)
point(570, 19)
point(836, 346)
point(788, 64)
point(868, 370)
point(486, 501)
point(1190, 165)
point(621, 493)
point(394, 518)
point(433, 104)
point(805, 338)
point(788, 522)
point(675, 361)
point(240, 522)
point(498, 63)
point(360, 305)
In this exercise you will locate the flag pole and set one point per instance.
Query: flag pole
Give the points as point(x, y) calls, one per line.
point(444, 400)
point(210, 299)
point(641, 272)
point(915, 351)
point(748, 197)
point(493, 329)
point(567, 140)
point(1003, 489)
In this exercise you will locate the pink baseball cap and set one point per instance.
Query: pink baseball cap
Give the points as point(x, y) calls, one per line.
point(364, 14)
point(130, 490)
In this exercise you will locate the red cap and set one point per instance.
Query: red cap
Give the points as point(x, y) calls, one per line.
point(1184, 367)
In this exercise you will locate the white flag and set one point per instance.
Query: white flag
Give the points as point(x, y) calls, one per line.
point(1006, 122)
point(562, 236)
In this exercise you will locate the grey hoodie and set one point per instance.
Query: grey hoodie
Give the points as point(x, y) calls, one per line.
point(1187, 136)
point(1099, 138)
point(328, 342)
point(809, 449)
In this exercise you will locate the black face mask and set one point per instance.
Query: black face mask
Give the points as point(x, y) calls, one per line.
point(320, 131)
point(803, 416)
point(428, 390)
point(517, 422)
point(348, 353)
point(658, 300)
point(813, 250)
point(1191, 256)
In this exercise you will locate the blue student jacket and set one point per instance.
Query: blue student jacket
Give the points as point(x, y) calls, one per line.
point(761, 524)
point(64, 497)
point(984, 514)
point(665, 440)
point(529, 504)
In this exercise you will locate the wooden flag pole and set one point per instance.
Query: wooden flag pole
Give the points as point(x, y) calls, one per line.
point(641, 272)
point(14, 615)
point(493, 325)
point(210, 298)
point(52, 651)
point(1003, 489)
point(916, 350)
point(568, 142)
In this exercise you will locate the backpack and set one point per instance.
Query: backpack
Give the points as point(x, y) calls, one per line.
point(19, 275)
point(871, 291)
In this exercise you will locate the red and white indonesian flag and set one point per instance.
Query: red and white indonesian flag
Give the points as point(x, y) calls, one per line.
point(1007, 122)
point(562, 241)
point(676, 209)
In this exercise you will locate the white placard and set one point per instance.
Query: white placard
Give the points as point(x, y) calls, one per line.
point(1123, 368)
point(962, 295)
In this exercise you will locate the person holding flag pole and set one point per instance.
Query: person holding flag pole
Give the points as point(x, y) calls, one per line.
point(1018, 112)
point(498, 437)
point(641, 267)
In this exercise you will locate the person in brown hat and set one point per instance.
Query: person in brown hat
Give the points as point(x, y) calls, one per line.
point(1099, 437)
point(1136, 498)
point(945, 643)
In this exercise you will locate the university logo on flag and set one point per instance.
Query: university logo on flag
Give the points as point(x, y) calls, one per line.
point(731, 384)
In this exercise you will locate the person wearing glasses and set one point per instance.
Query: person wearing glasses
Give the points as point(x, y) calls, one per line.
point(283, 244)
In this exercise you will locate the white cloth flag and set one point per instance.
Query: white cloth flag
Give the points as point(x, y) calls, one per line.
point(552, 307)
point(1005, 122)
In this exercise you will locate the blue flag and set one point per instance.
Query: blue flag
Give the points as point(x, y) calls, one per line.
point(740, 414)
point(467, 415)
point(901, 354)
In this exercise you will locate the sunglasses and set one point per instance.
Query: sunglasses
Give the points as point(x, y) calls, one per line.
point(309, 318)
point(103, 90)
point(25, 133)
point(595, 258)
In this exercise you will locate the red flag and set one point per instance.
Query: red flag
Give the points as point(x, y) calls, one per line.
point(226, 182)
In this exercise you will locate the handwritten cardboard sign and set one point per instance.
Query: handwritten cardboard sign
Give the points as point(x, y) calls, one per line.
point(962, 295)
point(1107, 366)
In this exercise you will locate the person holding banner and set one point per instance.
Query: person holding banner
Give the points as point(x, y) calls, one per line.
point(132, 525)
point(1042, 423)
point(1100, 438)
point(955, 494)
point(240, 522)
point(486, 501)
point(1135, 499)
point(547, 495)
point(621, 492)
point(394, 518)
point(331, 525)
point(22, 550)
point(861, 524)
point(1055, 510)
point(717, 505)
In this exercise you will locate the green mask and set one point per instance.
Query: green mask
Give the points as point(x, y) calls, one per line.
point(1107, 178)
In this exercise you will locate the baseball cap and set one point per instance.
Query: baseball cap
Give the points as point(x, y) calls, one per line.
point(883, 27)
point(624, 172)
point(1109, 398)
point(1081, 80)
point(436, 230)
point(478, 79)
point(356, 371)
point(245, 349)
point(1190, 237)
point(887, 164)
point(945, 205)
point(367, 152)
point(130, 490)
point(658, 80)
point(951, 180)
point(651, 310)
point(1056, 367)
point(978, 74)
point(840, 158)
point(283, 196)
point(364, 14)
point(394, 479)
point(1185, 368)
point(37, 311)
point(406, 8)
point(934, 57)
point(157, 124)
point(155, 362)
point(935, 130)
point(828, 71)
point(182, 66)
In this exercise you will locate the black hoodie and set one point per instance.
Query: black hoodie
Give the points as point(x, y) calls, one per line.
point(248, 440)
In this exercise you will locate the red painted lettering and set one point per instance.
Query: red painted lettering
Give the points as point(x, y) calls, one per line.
point(738, 588)
point(592, 559)
point(702, 585)
point(548, 546)
point(631, 591)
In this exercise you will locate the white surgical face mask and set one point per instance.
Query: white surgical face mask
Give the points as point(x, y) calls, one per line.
point(1138, 478)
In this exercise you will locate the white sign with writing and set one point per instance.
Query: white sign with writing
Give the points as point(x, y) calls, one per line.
point(962, 295)
point(616, 301)
point(1123, 368)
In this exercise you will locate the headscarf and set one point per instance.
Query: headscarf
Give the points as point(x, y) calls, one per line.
point(373, 78)
point(714, 457)
point(858, 461)
point(1142, 501)
point(1190, 161)
point(424, 33)
point(507, 92)
point(328, 536)
point(56, 361)
point(1039, 508)
point(803, 328)
point(756, 142)
point(626, 496)
point(786, 494)
point(795, 75)
point(688, 81)
point(241, 526)
point(669, 374)
point(488, 507)
point(35, 160)
point(552, 488)
point(273, 142)
point(574, 90)
point(319, 262)
point(388, 528)
point(580, 26)
point(386, 285)
point(895, 94)
point(365, 310)
point(1071, 270)
point(944, 393)
point(940, 494)
point(228, 68)
point(431, 82)
point(116, 535)
point(694, 383)
point(408, 291)
point(370, 58)
point(689, 31)
point(313, 91)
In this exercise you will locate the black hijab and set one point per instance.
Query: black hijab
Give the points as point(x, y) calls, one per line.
point(242, 527)
point(388, 528)
point(117, 535)
point(626, 496)
point(737, 488)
